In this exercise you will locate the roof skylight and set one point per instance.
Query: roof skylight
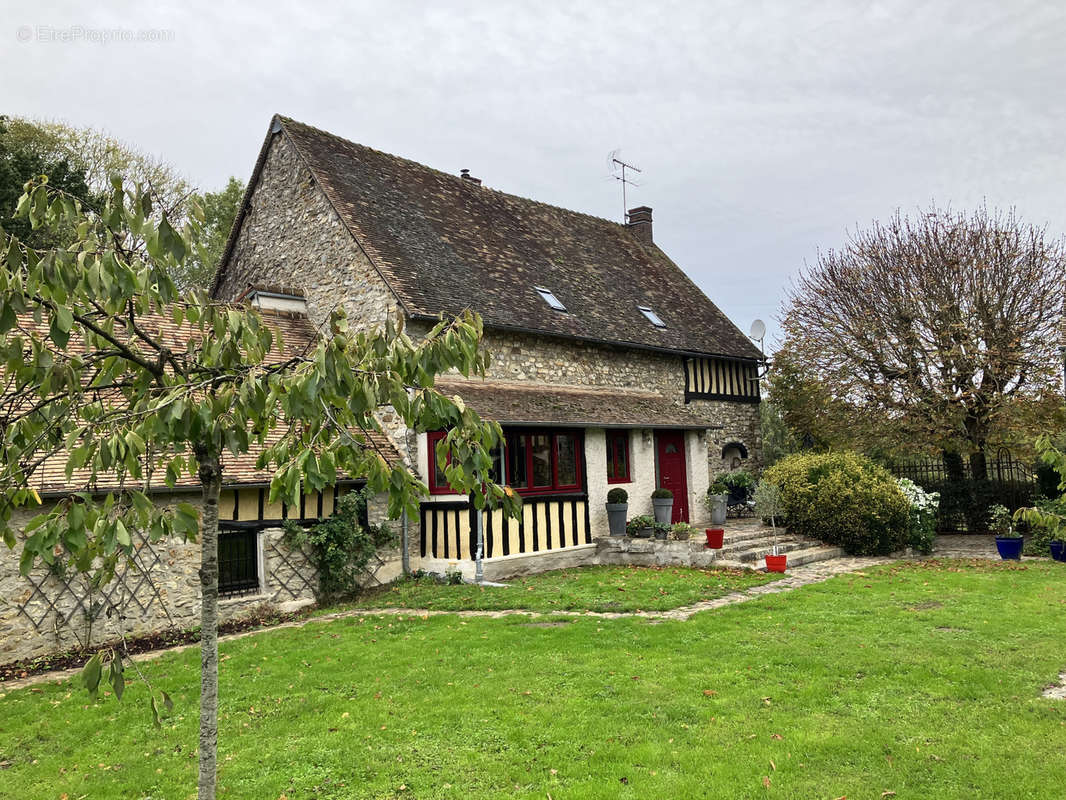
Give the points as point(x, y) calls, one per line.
point(550, 298)
point(653, 318)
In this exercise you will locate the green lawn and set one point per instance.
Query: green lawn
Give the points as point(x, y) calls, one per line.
point(584, 589)
point(919, 680)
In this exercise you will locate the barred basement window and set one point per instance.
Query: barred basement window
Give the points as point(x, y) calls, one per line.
point(238, 562)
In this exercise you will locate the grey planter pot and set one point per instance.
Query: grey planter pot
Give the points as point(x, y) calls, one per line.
point(718, 506)
point(616, 518)
point(663, 508)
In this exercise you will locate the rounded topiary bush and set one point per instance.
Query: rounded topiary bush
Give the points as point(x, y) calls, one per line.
point(844, 499)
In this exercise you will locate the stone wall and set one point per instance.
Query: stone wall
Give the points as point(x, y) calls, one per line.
point(47, 613)
point(292, 237)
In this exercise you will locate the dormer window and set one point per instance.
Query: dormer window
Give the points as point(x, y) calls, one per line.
point(550, 298)
point(653, 318)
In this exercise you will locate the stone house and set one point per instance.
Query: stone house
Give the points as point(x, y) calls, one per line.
point(610, 366)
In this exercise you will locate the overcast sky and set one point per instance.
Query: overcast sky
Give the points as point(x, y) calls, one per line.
point(764, 130)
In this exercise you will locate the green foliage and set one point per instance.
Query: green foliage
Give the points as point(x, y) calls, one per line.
point(220, 211)
point(661, 529)
point(662, 494)
point(1046, 519)
point(1000, 521)
point(342, 548)
point(22, 159)
point(682, 531)
point(639, 524)
point(778, 440)
point(768, 504)
point(843, 499)
point(738, 484)
point(924, 513)
point(617, 495)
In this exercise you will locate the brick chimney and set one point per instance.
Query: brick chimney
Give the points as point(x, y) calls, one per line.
point(466, 176)
point(640, 223)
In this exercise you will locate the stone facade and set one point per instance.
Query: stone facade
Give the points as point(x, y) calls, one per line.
point(46, 613)
point(292, 237)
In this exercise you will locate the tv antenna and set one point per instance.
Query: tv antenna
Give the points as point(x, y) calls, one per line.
point(616, 169)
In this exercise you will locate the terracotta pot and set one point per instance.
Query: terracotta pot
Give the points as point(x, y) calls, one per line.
point(714, 538)
point(776, 563)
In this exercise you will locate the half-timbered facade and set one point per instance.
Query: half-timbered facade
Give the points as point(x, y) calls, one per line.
point(609, 366)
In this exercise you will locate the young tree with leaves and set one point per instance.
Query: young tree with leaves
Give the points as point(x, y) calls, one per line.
point(89, 376)
point(935, 325)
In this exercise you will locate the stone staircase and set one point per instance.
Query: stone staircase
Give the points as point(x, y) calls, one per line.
point(747, 542)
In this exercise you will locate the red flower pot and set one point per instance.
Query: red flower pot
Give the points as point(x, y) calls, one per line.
point(776, 563)
point(714, 537)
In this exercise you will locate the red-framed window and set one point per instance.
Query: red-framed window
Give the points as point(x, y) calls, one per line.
point(540, 462)
point(618, 457)
point(438, 484)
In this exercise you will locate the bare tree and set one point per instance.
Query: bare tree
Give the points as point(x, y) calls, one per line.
point(937, 324)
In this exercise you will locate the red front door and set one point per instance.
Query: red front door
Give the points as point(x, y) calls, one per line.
point(670, 446)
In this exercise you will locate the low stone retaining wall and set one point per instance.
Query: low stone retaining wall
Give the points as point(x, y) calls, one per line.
point(626, 550)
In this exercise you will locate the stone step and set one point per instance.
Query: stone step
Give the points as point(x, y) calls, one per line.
point(757, 553)
point(731, 549)
point(748, 534)
point(796, 558)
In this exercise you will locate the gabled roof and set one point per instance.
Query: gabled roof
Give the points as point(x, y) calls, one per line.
point(444, 244)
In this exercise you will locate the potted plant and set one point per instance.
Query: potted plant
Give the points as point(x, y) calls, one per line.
point(768, 506)
point(641, 527)
point(617, 509)
point(1048, 525)
point(1001, 524)
point(681, 531)
point(717, 500)
point(662, 502)
point(662, 530)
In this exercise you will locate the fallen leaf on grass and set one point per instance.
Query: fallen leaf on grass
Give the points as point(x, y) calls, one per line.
point(710, 692)
point(766, 781)
point(776, 736)
point(773, 766)
point(888, 794)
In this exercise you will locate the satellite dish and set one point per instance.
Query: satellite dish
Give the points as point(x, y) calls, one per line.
point(758, 329)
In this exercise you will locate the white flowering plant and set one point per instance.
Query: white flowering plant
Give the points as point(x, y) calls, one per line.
point(924, 506)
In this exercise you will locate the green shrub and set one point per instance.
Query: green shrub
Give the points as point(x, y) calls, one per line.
point(844, 499)
point(1045, 523)
point(617, 496)
point(924, 511)
point(639, 523)
point(661, 494)
point(342, 550)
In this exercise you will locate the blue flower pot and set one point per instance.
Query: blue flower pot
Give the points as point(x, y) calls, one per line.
point(1009, 547)
point(1058, 550)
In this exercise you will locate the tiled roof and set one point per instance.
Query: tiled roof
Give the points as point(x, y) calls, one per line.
point(445, 244)
point(533, 404)
point(297, 336)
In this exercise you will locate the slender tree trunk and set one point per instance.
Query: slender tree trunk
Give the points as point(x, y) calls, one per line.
point(211, 481)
